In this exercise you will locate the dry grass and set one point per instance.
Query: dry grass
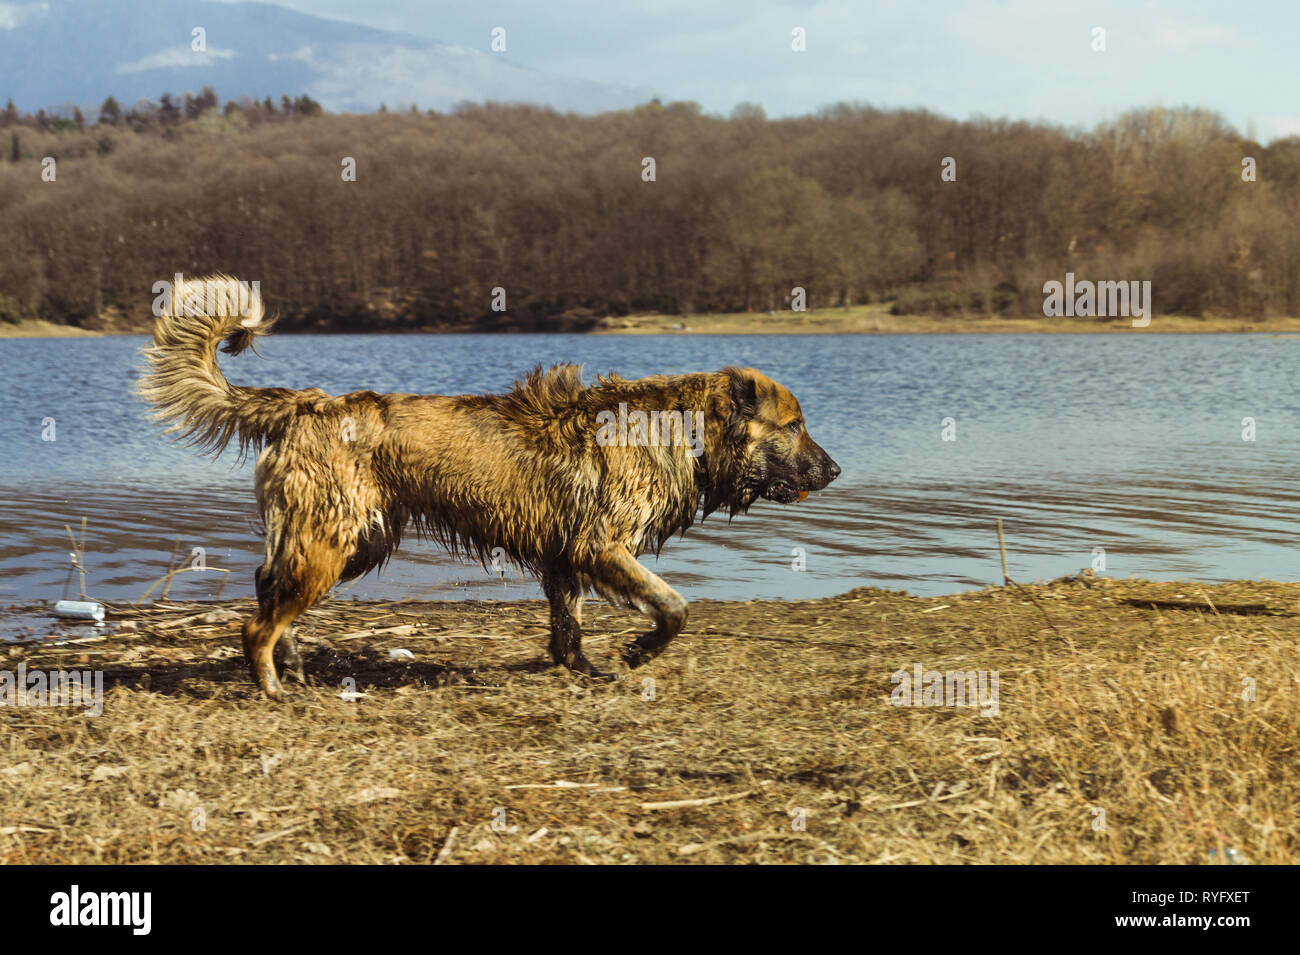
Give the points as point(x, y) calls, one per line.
point(762, 709)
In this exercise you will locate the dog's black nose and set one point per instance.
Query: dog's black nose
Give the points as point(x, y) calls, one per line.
point(835, 470)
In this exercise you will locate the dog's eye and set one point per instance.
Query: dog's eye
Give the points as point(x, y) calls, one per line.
point(796, 426)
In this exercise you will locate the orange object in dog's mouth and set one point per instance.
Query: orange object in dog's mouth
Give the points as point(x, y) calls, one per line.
point(803, 495)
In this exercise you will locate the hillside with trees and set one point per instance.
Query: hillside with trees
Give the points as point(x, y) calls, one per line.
point(556, 210)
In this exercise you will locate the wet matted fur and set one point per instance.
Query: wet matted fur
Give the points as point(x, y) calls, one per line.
point(340, 478)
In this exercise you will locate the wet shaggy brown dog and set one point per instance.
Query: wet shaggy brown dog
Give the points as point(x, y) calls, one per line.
point(540, 472)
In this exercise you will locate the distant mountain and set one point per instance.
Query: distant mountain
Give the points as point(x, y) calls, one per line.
point(82, 51)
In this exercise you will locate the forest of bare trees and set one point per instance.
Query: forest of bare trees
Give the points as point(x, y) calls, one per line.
point(556, 210)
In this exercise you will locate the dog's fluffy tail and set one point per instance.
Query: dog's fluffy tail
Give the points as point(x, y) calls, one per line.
point(184, 384)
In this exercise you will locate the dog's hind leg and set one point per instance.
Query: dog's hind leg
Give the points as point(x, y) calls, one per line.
point(565, 595)
point(287, 584)
point(288, 656)
point(261, 633)
point(619, 576)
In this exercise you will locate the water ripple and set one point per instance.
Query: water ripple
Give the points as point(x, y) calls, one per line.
point(1133, 444)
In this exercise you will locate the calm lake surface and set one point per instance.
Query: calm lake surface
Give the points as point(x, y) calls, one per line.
point(1131, 443)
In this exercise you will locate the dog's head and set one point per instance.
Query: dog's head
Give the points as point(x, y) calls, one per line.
point(768, 449)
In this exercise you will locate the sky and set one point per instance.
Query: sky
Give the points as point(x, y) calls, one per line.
point(1024, 59)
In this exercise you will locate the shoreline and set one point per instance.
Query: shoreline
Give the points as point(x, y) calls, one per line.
point(422, 723)
point(859, 320)
point(876, 320)
point(39, 328)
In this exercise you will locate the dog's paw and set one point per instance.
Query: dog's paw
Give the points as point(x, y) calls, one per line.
point(635, 654)
point(297, 674)
point(286, 696)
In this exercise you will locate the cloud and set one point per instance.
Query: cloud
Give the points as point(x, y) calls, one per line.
point(301, 55)
point(14, 15)
point(176, 57)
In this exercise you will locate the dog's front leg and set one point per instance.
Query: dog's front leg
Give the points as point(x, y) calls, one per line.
point(565, 596)
point(618, 573)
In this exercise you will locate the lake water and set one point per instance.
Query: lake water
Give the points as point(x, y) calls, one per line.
point(1127, 442)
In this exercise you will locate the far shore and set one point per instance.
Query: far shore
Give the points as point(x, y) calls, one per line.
point(38, 328)
point(877, 320)
point(857, 320)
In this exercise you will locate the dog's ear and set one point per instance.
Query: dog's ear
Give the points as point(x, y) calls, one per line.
point(744, 394)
